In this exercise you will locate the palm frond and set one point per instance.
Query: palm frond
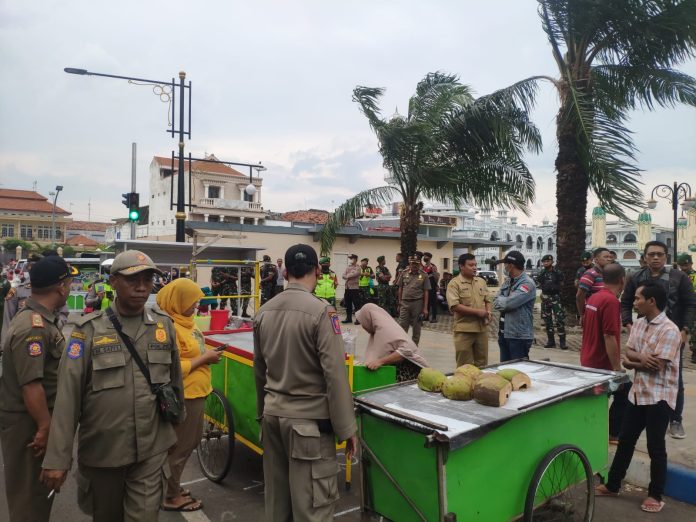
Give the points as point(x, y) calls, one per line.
point(367, 98)
point(351, 209)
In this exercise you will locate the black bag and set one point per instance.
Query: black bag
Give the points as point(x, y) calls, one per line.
point(167, 400)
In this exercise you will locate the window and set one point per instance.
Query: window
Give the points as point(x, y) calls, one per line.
point(494, 236)
point(59, 234)
point(26, 232)
point(445, 263)
point(611, 239)
point(213, 192)
point(550, 244)
point(165, 172)
point(43, 232)
point(214, 219)
point(529, 243)
point(629, 255)
point(7, 230)
point(630, 238)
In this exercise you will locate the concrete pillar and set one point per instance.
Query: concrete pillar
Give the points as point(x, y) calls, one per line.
point(691, 230)
point(222, 218)
point(205, 190)
point(256, 221)
point(241, 220)
point(222, 191)
point(682, 245)
point(205, 217)
point(599, 228)
point(644, 229)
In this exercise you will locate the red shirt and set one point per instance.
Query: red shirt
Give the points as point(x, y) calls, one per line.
point(602, 317)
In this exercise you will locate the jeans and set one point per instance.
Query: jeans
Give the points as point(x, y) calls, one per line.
point(679, 407)
point(654, 419)
point(617, 409)
point(513, 348)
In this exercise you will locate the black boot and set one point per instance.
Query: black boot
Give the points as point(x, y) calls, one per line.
point(562, 342)
point(551, 343)
point(693, 356)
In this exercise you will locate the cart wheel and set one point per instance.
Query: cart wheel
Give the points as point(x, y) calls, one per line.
point(216, 447)
point(562, 488)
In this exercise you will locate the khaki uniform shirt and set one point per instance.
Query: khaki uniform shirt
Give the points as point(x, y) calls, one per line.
point(468, 292)
point(102, 388)
point(32, 351)
point(413, 285)
point(14, 302)
point(299, 361)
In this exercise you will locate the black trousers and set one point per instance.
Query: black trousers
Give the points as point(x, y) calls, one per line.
point(618, 409)
point(679, 407)
point(654, 419)
point(352, 301)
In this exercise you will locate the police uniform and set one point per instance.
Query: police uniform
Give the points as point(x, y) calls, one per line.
point(413, 288)
point(14, 302)
point(470, 332)
point(550, 281)
point(123, 440)
point(326, 283)
point(364, 283)
point(303, 401)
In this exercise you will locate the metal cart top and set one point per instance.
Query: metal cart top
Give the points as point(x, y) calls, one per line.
point(458, 423)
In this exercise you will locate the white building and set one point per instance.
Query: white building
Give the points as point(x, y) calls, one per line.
point(217, 195)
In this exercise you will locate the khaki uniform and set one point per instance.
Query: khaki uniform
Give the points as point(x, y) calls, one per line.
point(15, 301)
point(413, 288)
point(32, 352)
point(123, 440)
point(470, 332)
point(304, 400)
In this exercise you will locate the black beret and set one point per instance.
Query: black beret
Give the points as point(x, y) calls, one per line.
point(48, 271)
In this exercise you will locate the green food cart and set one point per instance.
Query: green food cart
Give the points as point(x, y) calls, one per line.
point(428, 458)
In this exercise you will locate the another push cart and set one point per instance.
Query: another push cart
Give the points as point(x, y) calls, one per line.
point(427, 458)
point(230, 410)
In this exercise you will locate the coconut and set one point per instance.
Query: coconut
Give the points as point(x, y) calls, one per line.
point(458, 388)
point(492, 391)
point(431, 380)
point(518, 379)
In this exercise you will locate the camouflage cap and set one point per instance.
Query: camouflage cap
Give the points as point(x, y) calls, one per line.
point(132, 262)
point(683, 259)
point(324, 260)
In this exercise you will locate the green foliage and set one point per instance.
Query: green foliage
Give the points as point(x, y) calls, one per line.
point(12, 243)
point(449, 148)
point(68, 251)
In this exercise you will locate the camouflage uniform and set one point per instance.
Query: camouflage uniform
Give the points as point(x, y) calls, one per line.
point(550, 283)
point(245, 281)
point(384, 291)
point(267, 287)
point(692, 327)
point(223, 282)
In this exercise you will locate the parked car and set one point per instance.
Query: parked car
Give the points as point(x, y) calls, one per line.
point(490, 276)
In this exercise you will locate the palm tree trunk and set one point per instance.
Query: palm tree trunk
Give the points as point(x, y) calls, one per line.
point(571, 205)
point(409, 223)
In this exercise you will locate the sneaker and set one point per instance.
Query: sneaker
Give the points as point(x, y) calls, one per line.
point(676, 430)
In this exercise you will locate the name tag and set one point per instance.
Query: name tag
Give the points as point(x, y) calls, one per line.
point(101, 350)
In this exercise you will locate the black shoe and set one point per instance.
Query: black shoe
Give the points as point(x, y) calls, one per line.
point(356, 322)
point(246, 315)
point(433, 320)
point(693, 358)
point(347, 321)
point(551, 343)
point(562, 342)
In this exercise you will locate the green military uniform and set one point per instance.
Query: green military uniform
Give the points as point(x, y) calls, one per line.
point(32, 351)
point(413, 287)
point(123, 440)
point(692, 327)
point(384, 293)
point(245, 276)
point(223, 282)
point(550, 281)
point(470, 332)
point(267, 287)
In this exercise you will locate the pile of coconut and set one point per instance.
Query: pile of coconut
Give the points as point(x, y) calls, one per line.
point(469, 382)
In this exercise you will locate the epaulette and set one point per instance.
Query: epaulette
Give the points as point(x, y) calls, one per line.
point(157, 310)
point(84, 319)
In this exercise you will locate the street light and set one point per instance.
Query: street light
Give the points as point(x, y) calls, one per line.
point(673, 194)
point(250, 188)
point(53, 212)
point(160, 89)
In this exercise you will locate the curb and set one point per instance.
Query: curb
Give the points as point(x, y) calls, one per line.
point(680, 483)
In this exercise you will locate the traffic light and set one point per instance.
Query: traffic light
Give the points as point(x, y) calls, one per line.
point(134, 207)
point(126, 199)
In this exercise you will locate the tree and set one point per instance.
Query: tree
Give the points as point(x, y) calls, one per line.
point(451, 148)
point(613, 56)
point(11, 244)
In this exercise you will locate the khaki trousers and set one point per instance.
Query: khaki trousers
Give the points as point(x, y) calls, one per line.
point(188, 435)
point(130, 493)
point(26, 496)
point(300, 470)
point(471, 348)
point(408, 316)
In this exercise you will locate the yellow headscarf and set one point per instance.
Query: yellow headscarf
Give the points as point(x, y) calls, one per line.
point(177, 297)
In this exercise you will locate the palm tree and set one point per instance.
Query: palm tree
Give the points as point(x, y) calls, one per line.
point(450, 147)
point(613, 56)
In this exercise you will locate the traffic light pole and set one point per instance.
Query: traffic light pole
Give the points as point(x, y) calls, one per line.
point(133, 224)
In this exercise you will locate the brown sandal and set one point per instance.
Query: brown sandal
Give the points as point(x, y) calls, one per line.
point(602, 491)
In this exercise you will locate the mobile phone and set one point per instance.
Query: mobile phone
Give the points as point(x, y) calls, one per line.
point(222, 347)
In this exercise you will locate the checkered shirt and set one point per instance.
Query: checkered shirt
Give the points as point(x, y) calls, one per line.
point(661, 338)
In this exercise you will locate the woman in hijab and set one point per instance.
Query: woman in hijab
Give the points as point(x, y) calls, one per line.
point(179, 299)
point(389, 344)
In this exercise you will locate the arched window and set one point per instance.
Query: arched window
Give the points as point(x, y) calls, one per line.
point(508, 237)
point(550, 244)
point(518, 238)
point(494, 236)
point(611, 239)
point(529, 244)
point(529, 264)
point(540, 243)
point(630, 238)
point(629, 254)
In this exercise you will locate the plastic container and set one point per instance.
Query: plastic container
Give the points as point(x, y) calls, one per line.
point(219, 319)
point(202, 322)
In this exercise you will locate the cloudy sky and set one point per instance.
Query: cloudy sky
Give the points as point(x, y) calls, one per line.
point(272, 83)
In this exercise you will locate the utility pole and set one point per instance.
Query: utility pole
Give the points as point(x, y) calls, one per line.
point(133, 224)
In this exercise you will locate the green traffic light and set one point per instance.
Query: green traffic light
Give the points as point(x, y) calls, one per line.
point(133, 215)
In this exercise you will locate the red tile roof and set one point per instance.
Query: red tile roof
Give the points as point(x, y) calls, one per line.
point(200, 166)
point(88, 225)
point(81, 241)
point(318, 217)
point(26, 201)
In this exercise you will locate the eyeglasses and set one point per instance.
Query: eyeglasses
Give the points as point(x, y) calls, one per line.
point(655, 254)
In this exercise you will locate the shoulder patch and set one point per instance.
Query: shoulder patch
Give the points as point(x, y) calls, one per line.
point(524, 288)
point(78, 335)
point(35, 348)
point(76, 348)
point(160, 335)
point(335, 322)
point(37, 321)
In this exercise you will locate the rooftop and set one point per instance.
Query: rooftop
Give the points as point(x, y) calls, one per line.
point(200, 166)
point(81, 240)
point(313, 215)
point(27, 201)
point(90, 226)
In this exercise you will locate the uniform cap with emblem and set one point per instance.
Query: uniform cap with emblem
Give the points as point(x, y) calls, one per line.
point(547, 257)
point(48, 271)
point(586, 255)
point(301, 254)
point(415, 258)
point(683, 259)
point(133, 262)
point(513, 257)
point(267, 258)
point(324, 260)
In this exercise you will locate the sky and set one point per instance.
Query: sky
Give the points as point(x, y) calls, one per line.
point(272, 82)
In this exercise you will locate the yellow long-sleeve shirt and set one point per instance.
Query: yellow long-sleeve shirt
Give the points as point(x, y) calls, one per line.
point(196, 382)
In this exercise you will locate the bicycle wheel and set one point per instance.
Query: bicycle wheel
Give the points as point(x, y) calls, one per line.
point(562, 488)
point(216, 447)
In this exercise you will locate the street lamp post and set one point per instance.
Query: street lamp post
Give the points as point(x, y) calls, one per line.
point(53, 212)
point(673, 194)
point(160, 89)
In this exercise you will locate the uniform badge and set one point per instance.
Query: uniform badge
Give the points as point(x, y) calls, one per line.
point(37, 320)
point(75, 348)
point(524, 288)
point(160, 324)
point(160, 335)
point(335, 322)
point(35, 349)
point(103, 340)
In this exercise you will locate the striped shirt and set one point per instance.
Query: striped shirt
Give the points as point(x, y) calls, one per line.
point(591, 281)
point(661, 338)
